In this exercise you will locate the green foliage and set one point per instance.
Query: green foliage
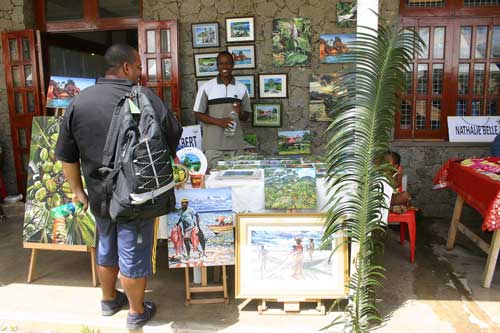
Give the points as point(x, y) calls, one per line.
point(9, 328)
point(86, 329)
point(362, 120)
point(292, 42)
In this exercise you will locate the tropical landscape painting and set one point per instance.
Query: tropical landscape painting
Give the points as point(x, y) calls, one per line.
point(243, 56)
point(294, 142)
point(200, 232)
point(205, 34)
point(321, 96)
point(205, 64)
point(46, 219)
point(280, 255)
point(240, 29)
point(292, 42)
point(62, 90)
point(266, 115)
point(346, 14)
point(289, 188)
point(334, 48)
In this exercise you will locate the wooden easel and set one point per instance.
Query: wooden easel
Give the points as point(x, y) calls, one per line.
point(292, 306)
point(192, 288)
point(60, 247)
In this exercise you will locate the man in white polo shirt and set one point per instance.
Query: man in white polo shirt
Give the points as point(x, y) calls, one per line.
point(214, 102)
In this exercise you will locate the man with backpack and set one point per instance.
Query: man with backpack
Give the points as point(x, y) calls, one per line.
point(123, 244)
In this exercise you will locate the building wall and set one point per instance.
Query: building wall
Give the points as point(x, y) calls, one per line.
point(12, 17)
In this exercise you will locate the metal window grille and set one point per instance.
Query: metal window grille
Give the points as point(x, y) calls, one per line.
point(436, 114)
point(425, 3)
point(476, 108)
point(477, 3)
point(461, 108)
point(437, 79)
point(421, 114)
point(405, 120)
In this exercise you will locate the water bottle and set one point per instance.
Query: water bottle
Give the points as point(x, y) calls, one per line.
point(231, 129)
point(58, 216)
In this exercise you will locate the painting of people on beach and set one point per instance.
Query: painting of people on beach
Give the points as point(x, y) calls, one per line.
point(290, 188)
point(334, 48)
point(62, 90)
point(200, 231)
point(280, 255)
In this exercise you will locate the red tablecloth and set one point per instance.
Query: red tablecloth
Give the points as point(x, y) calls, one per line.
point(477, 184)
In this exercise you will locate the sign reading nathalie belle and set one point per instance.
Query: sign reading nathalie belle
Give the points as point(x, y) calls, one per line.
point(473, 129)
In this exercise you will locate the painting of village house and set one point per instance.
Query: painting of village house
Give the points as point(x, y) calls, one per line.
point(321, 96)
point(266, 115)
point(289, 188)
point(47, 217)
point(62, 90)
point(200, 231)
point(294, 142)
point(280, 255)
point(334, 48)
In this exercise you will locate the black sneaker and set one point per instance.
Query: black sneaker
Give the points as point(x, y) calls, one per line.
point(109, 308)
point(136, 320)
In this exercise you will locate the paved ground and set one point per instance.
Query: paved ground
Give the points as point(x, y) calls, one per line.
point(440, 293)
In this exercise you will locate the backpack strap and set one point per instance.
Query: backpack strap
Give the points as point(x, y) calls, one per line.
point(113, 133)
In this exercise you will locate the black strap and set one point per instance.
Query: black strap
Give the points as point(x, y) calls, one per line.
point(113, 132)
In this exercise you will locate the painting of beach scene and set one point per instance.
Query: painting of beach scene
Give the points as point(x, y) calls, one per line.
point(243, 55)
point(63, 89)
point(280, 255)
point(240, 29)
point(205, 64)
point(205, 34)
point(294, 142)
point(200, 231)
point(334, 48)
point(289, 188)
point(249, 82)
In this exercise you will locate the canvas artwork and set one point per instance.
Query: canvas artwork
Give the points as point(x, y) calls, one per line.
point(239, 174)
point(205, 34)
point(294, 142)
point(62, 90)
point(240, 29)
point(46, 219)
point(321, 96)
point(249, 82)
point(292, 42)
point(334, 48)
point(243, 55)
point(205, 64)
point(289, 188)
point(266, 115)
point(200, 232)
point(346, 14)
point(279, 255)
point(273, 85)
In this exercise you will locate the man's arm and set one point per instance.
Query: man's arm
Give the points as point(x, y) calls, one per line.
point(74, 177)
point(243, 109)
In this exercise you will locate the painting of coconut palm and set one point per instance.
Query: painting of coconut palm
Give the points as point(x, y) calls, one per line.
point(280, 255)
point(292, 42)
point(289, 188)
point(200, 231)
point(294, 142)
point(346, 14)
point(49, 215)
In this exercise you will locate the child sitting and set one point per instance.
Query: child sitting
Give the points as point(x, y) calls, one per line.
point(400, 199)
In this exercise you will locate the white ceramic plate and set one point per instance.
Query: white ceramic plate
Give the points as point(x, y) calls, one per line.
point(193, 159)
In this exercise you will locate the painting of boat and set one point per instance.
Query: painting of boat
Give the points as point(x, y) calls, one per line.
point(218, 229)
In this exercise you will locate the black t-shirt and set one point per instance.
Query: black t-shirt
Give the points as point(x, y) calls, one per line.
point(85, 125)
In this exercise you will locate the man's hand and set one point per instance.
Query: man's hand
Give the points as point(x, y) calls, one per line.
point(81, 197)
point(237, 107)
point(225, 122)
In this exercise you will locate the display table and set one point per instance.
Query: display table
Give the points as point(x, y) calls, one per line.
point(476, 181)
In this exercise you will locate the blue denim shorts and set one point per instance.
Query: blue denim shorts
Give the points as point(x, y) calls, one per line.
point(128, 245)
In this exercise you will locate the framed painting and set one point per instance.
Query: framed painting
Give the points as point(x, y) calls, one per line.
point(266, 115)
point(63, 89)
point(239, 174)
point(291, 42)
point(249, 82)
point(273, 86)
point(240, 29)
point(279, 256)
point(334, 48)
point(200, 231)
point(205, 64)
point(294, 142)
point(290, 188)
point(322, 96)
point(205, 34)
point(243, 55)
point(346, 14)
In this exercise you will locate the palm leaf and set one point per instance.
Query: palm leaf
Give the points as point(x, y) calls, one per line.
point(362, 120)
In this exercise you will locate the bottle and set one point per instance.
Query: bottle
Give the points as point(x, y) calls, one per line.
point(58, 215)
point(229, 131)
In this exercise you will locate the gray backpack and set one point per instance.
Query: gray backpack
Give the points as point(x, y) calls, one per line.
point(137, 163)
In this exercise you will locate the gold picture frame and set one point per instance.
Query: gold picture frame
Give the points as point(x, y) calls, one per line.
point(278, 257)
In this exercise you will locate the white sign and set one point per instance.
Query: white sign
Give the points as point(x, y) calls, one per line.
point(473, 129)
point(191, 137)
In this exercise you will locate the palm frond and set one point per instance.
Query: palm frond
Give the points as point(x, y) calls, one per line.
point(362, 120)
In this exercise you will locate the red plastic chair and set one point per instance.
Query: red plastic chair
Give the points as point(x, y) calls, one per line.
point(409, 219)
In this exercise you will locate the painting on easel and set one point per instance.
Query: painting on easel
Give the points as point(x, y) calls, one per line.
point(201, 230)
point(279, 255)
point(49, 217)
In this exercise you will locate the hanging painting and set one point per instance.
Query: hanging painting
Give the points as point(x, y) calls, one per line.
point(346, 14)
point(62, 90)
point(321, 96)
point(334, 48)
point(200, 232)
point(292, 42)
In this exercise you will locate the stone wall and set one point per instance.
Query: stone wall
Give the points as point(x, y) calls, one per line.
point(12, 17)
point(323, 18)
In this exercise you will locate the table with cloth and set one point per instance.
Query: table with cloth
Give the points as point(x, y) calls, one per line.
point(477, 182)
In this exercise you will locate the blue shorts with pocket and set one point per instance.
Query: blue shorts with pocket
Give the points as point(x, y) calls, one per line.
point(128, 245)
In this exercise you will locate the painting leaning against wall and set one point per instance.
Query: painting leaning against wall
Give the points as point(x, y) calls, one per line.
point(292, 42)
